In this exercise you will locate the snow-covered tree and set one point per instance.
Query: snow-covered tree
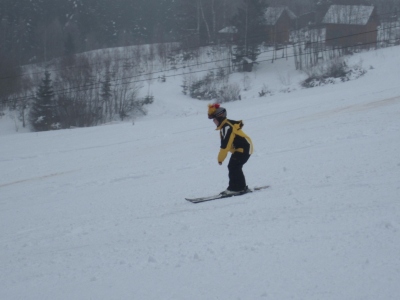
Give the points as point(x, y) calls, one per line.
point(249, 22)
point(43, 113)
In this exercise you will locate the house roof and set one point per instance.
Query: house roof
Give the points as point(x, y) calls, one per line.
point(229, 29)
point(348, 14)
point(306, 19)
point(273, 14)
point(247, 60)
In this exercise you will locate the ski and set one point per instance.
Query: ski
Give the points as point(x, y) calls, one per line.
point(219, 196)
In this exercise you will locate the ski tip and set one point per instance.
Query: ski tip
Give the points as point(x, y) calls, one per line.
point(261, 187)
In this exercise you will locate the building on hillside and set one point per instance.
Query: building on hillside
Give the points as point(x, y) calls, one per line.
point(247, 64)
point(307, 20)
point(279, 21)
point(227, 35)
point(351, 25)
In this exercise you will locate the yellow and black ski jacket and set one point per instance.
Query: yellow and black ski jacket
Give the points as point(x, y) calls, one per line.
point(233, 139)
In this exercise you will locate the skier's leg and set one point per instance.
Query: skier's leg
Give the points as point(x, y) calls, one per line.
point(237, 181)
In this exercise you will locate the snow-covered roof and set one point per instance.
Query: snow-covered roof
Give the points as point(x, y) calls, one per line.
point(348, 14)
point(248, 60)
point(273, 14)
point(229, 29)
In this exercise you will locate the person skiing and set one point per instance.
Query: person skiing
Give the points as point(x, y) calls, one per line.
point(233, 140)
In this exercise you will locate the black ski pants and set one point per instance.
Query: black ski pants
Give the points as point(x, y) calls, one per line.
point(237, 181)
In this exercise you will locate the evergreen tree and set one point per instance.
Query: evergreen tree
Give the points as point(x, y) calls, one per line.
point(10, 77)
point(249, 21)
point(69, 46)
point(107, 97)
point(69, 51)
point(43, 113)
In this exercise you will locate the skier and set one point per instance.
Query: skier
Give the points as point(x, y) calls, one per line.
point(233, 140)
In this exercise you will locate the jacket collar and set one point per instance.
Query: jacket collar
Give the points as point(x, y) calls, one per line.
point(222, 124)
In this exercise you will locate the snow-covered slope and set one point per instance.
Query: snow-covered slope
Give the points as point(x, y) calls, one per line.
point(99, 213)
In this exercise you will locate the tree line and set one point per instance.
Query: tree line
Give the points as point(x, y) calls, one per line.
point(40, 30)
point(37, 31)
point(86, 91)
point(81, 90)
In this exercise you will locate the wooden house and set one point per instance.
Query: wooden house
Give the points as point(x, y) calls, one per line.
point(351, 25)
point(307, 20)
point(279, 21)
point(247, 64)
point(228, 35)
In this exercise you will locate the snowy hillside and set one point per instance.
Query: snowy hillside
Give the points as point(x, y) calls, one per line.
point(99, 213)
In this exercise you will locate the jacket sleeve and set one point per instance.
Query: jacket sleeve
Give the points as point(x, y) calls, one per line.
point(227, 137)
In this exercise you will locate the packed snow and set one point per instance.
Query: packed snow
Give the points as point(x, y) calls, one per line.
point(99, 213)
